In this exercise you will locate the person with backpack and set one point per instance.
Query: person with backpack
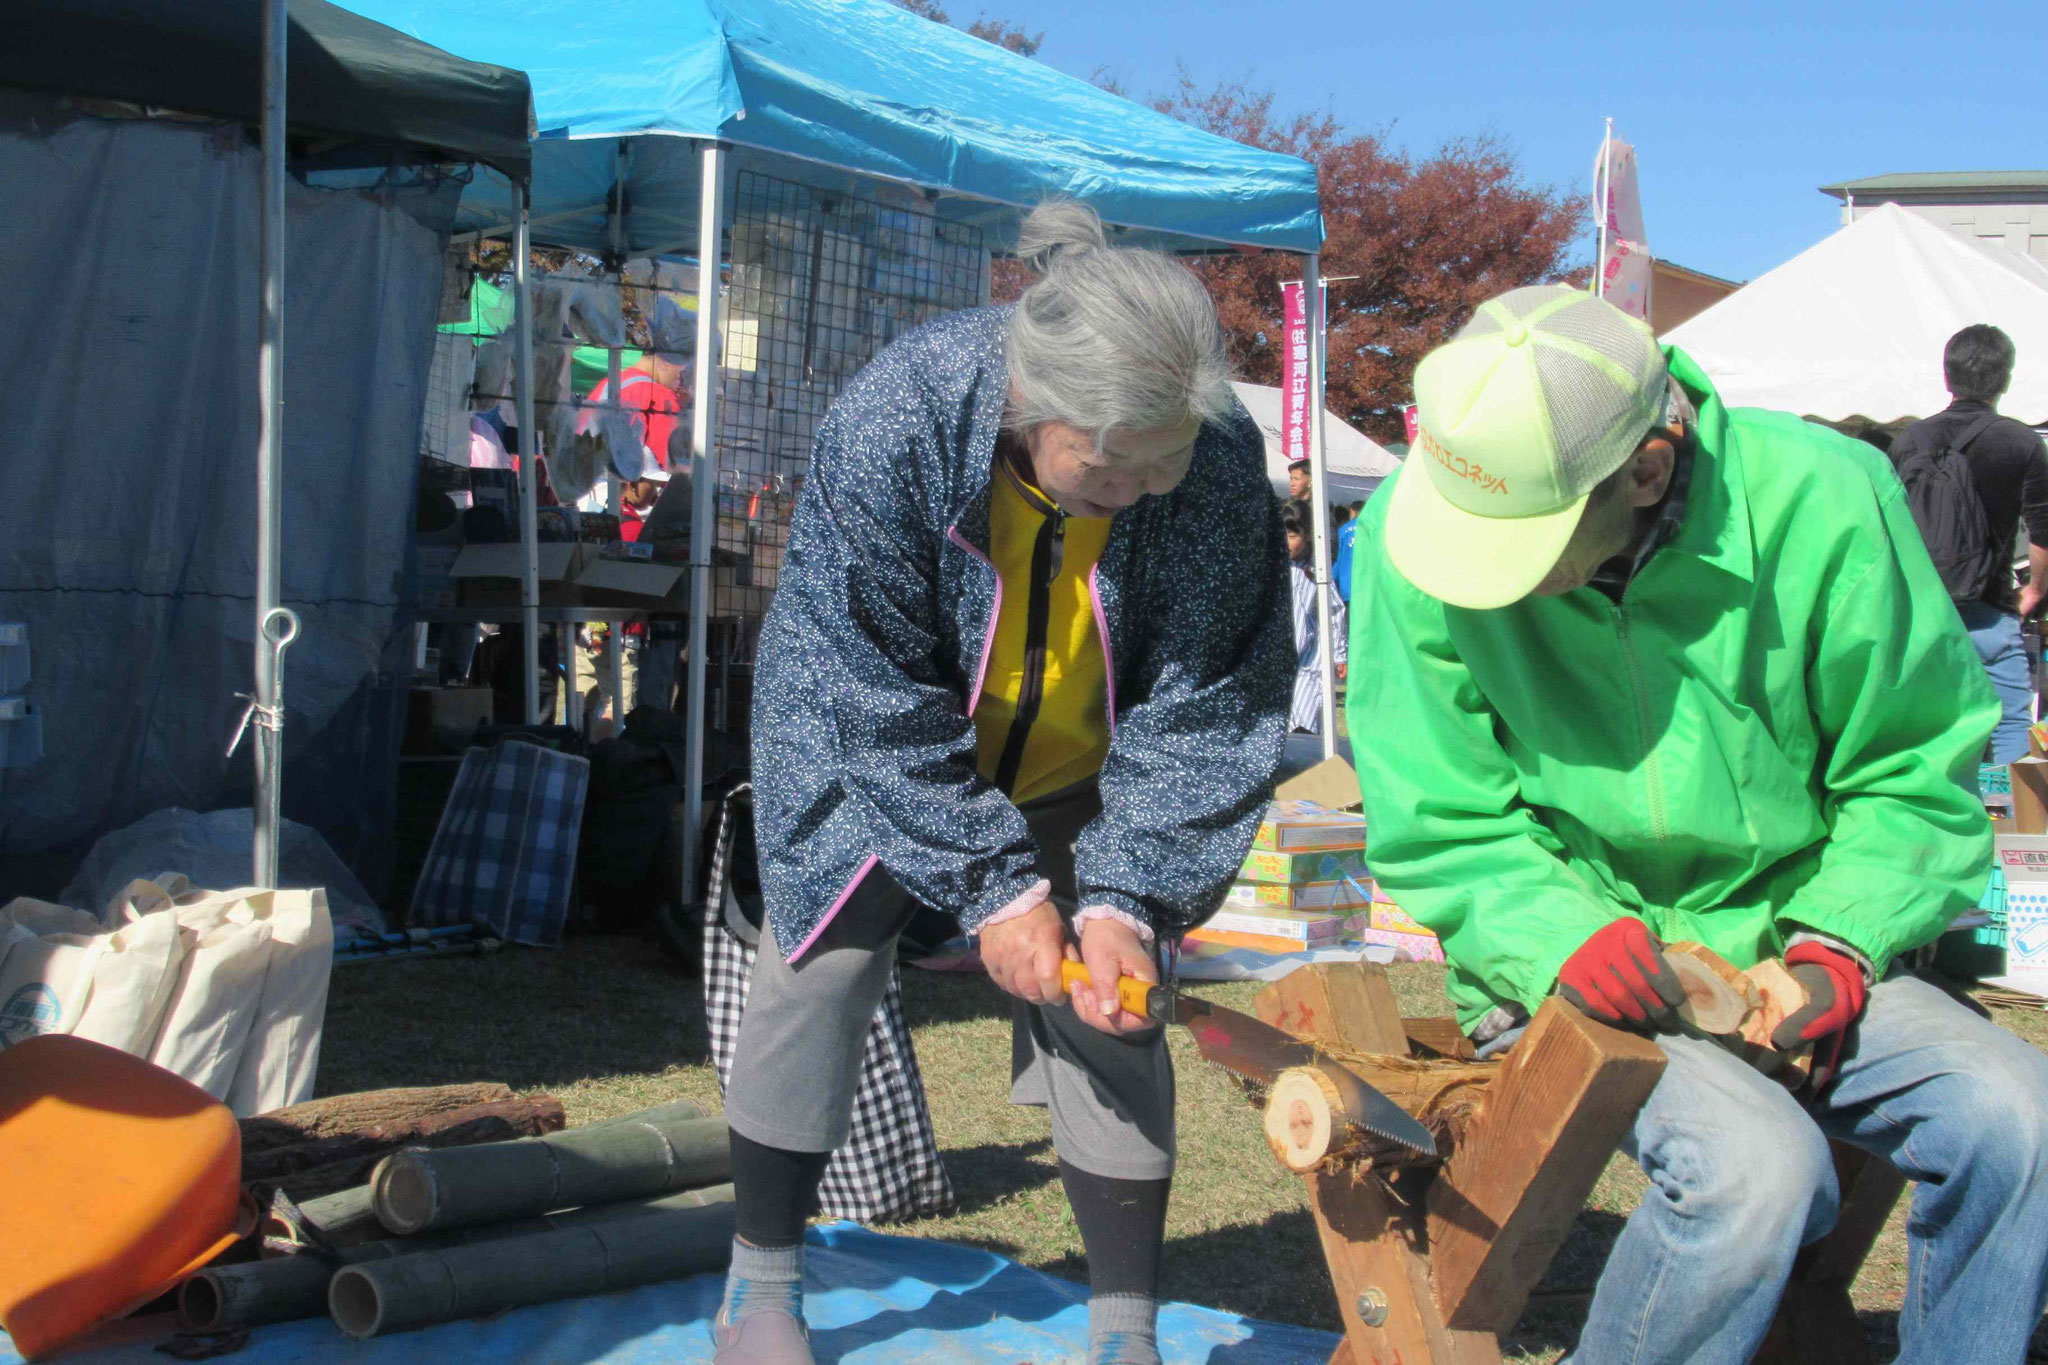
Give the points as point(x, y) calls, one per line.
point(1970, 476)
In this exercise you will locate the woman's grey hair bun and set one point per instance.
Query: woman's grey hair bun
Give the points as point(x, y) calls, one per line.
point(1110, 338)
point(1056, 227)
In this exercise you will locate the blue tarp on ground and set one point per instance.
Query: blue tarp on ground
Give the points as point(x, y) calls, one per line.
point(861, 85)
point(871, 1300)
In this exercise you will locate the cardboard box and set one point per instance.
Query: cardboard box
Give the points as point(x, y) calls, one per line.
point(1303, 928)
point(1292, 826)
point(1316, 865)
point(2023, 863)
point(559, 561)
point(2028, 780)
point(1392, 918)
point(1258, 943)
point(1407, 947)
point(603, 578)
point(1331, 783)
point(1347, 895)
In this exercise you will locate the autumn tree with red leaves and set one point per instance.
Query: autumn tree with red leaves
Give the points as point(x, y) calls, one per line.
point(1429, 239)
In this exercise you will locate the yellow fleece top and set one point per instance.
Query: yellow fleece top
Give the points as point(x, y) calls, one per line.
point(1069, 737)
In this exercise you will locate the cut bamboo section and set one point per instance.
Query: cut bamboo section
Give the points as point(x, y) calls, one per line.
point(287, 1288)
point(616, 1252)
point(601, 1164)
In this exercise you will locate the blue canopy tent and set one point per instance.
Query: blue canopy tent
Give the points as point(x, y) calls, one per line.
point(647, 110)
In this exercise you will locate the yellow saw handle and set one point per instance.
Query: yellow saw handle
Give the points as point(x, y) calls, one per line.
point(1131, 993)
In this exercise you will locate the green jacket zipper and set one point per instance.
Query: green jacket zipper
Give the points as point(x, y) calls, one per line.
point(1653, 772)
point(1046, 554)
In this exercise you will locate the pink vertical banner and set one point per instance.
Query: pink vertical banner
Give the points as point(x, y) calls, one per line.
point(1411, 423)
point(1625, 272)
point(1294, 413)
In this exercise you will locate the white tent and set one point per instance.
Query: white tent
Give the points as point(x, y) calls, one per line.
point(1856, 325)
point(1357, 463)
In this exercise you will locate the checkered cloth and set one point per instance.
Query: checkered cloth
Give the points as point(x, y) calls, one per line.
point(504, 856)
point(889, 1168)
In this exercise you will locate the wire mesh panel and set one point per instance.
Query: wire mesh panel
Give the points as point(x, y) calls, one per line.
point(820, 283)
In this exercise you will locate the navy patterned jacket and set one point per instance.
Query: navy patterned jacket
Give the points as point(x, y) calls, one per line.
point(872, 655)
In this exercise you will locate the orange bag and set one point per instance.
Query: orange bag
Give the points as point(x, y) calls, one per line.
point(122, 1180)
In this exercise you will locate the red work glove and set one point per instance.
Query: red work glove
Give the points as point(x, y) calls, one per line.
point(1619, 975)
point(1835, 994)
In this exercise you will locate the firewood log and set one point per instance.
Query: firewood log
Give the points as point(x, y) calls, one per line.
point(335, 1115)
point(327, 1165)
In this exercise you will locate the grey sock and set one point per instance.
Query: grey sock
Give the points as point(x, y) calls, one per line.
point(763, 1278)
point(1122, 1329)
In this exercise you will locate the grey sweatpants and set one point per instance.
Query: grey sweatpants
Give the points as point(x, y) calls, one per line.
point(797, 1063)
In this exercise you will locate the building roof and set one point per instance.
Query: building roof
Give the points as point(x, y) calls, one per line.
point(1659, 263)
point(1934, 182)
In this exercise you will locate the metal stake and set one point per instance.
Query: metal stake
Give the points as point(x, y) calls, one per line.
point(269, 443)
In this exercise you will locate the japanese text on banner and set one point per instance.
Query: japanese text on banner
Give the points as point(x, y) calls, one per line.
point(1294, 414)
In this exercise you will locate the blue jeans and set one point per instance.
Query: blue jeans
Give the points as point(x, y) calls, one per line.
point(1996, 634)
point(1740, 1178)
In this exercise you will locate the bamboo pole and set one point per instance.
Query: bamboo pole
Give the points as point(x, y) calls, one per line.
point(600, 1164)
point(618, 1252)
point(287, 1288)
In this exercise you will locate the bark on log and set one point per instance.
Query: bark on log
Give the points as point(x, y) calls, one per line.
point(604, 1163)
point(515, 1119)
point(338, 1114)
point(510, 1272)
point(492, 1121)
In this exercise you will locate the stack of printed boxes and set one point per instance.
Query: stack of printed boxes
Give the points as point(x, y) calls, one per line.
point(1305, 886)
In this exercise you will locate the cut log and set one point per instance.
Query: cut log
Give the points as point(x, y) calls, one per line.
point(486, 1123)
point(1442, 1037)
point(337, 1114)
point(1713, 1003)
point(1780, 995)
point(1311, 1111)
point(1351, 1003)
point(1503, 1202)
point(492, 1121)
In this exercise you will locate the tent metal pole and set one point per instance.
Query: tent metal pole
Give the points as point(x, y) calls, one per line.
point(1602, 197)
point(269, 451)
point(703, 490)
point(529, 456)
point(1319, 491)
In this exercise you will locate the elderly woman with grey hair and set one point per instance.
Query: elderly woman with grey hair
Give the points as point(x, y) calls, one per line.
point(1028, 665)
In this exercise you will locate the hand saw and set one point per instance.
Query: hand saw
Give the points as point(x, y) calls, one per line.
point(1257, 1051)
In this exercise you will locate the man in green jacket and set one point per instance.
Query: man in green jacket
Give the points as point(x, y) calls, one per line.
point(1647, 668)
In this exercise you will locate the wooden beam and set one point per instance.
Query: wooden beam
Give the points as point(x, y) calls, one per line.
point(1440, 1036)
point(1506, 1198)
point(1347, 1002)
point(1372, 1243)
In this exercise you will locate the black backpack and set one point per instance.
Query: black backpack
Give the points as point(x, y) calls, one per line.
point(1942, 494)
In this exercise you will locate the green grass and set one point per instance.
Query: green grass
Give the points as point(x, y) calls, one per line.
point(608, 1026)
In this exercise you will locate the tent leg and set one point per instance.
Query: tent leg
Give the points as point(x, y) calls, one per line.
point(703, 491)
point(1319, 484)
point(269, 738)
point(529, 456)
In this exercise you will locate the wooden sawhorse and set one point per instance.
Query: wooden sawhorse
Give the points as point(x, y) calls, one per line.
point(1431, 1263)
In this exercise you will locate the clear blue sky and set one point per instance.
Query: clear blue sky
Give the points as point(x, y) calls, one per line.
point(1738, 111)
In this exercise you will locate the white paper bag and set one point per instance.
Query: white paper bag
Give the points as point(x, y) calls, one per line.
point(220, 986)
point(283, 1048)
point(46, 977)
point(132, 981)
